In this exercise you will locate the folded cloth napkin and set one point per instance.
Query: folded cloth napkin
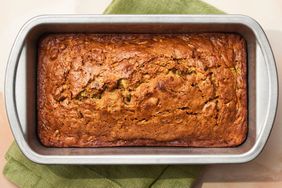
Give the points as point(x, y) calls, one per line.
point(160, 7)
point(25, 173)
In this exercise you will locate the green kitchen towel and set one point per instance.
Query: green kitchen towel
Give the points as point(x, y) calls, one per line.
point(26, 173)
point(160, 7)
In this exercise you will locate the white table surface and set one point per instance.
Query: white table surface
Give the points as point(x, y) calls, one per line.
point(265, 171)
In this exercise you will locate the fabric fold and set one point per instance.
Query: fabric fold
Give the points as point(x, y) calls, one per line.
point(26, 173)
point(160, 7)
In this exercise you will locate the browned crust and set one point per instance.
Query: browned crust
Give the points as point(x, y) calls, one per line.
point(244, 97)
point(226, 134)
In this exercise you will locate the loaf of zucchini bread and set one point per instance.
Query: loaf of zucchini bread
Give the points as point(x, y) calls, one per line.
point(103, 90)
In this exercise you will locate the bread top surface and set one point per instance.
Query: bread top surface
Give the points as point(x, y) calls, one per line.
point(142, 89)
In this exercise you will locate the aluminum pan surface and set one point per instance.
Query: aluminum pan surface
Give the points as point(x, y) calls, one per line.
point(262, 83)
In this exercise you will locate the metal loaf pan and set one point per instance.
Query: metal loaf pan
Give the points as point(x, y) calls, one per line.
point(20, 88)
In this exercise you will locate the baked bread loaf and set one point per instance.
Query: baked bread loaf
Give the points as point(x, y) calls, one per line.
point(102, 90)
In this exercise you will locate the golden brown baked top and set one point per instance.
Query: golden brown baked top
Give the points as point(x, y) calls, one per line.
point(141, 89)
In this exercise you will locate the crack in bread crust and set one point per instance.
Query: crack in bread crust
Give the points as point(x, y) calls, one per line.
point(142, 90)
